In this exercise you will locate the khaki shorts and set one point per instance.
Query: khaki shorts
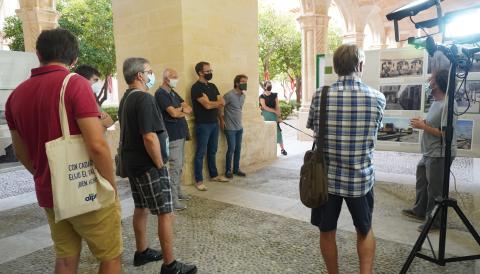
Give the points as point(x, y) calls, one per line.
point(101, 230)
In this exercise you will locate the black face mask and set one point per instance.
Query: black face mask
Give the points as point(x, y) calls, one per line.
point(269, 88)
point(208, 76)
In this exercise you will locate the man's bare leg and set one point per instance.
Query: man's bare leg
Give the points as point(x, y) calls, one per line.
point(140, 216)
point(165, 235)
point(328, 247)
point(68, 265)
point(111, 267)
point(366, 251)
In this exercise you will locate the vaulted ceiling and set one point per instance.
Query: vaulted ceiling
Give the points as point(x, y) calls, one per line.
point(358, 13)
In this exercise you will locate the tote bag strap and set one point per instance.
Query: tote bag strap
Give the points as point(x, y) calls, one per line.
point(62, 110)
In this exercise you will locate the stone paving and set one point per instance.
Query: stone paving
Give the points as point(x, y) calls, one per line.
point(222, 238)
point(228, 237)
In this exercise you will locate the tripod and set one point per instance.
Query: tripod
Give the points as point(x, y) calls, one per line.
point(443, 203)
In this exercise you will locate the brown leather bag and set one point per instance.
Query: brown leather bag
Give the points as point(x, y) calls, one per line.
point(313, 174)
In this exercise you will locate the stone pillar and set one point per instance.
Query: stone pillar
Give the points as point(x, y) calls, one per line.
point(36, 16)
point(175, 34)
point(314, 41)
point(355, 37)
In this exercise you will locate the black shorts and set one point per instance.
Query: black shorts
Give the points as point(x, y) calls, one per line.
point(152, 190)
point(361, 209)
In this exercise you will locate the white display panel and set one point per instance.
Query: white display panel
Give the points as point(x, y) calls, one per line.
point(399, 136)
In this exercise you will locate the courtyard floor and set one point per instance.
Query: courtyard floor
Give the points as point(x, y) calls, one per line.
point(250, 225)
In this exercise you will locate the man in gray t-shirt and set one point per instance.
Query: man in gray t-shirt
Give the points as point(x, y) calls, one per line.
point(429, 183)
point(231, 123)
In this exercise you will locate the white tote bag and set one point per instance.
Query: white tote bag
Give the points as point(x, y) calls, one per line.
point(77, 186)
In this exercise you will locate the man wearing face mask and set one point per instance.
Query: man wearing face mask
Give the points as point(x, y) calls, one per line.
point(429, 173)
point(144, 153)
point(93, 76)
point(206, 101)
point(174, 109)
point(231, 123)
point(32, 114)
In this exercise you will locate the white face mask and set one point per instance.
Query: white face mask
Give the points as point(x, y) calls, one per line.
point(97, 87)
point(173, 83)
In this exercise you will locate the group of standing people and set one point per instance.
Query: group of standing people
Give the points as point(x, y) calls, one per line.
point(32, 114)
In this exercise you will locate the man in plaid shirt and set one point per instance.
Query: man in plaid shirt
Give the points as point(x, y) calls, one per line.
point(354, 115)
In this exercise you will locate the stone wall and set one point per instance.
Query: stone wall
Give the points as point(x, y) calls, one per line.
point(179, 34)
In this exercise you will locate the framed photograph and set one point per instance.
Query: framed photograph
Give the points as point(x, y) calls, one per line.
point(404, 63)
point(464, 134)
point(402, 97)
point(398, 129)
point(467, 98)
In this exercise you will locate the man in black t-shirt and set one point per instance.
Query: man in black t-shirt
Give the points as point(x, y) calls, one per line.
point(206, 101)
point(144, 150)
point(174, 109)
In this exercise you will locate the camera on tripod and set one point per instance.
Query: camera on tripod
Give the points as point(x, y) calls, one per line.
point(455, 28)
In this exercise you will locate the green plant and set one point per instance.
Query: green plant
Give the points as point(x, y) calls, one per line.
point(112, 111)
point(294, 104)
point(285, 109)
point(91, 21)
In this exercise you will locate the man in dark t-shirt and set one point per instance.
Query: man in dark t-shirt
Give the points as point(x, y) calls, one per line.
point(174, 109)
point(144, 150)
point(206, 101)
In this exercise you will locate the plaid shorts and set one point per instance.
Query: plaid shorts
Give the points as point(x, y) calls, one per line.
point(152, 190)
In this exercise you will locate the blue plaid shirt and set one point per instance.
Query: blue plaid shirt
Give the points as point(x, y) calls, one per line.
point(354, 115)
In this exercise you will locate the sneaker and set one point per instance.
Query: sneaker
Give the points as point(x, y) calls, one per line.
point(184, 197)
point(409, 213)
point(284, 152)
point(240, 173)
point(433, 228)
point(220, 179)
point(179, 206)
point(201, 186)
point(149, 255)
point(229, 175)
point(178, 268)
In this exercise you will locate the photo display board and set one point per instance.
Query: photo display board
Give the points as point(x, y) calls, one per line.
point(402, 76)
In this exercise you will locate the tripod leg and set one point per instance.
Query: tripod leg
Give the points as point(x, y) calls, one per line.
point(466, 222)
point(421, 239)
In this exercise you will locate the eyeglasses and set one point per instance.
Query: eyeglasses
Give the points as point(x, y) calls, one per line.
point(208, 71)
point(149, 72)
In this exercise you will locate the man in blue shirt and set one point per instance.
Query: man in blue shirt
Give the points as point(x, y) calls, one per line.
point(354, 115)
point(174, 109)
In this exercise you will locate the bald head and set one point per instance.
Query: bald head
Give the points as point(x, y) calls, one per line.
point(170, 78)
point(169, 73)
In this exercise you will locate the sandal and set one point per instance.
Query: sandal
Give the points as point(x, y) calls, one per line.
point(201, 187)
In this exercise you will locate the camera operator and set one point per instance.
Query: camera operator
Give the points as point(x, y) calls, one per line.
point(430, 168)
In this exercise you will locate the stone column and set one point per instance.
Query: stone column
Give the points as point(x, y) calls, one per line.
point(36, 16)
point(314, 41)
point(175, 34)
point(355, 37)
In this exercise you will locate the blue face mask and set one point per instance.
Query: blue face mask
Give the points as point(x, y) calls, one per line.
point(151, 81)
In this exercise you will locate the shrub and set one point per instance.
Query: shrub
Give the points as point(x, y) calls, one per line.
point(285, 109)
point(112, 111)
point(294, 104)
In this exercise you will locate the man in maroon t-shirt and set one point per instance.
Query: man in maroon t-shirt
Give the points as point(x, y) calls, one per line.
point(32, 113)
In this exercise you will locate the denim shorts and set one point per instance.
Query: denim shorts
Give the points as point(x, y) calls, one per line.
point(361, 209)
